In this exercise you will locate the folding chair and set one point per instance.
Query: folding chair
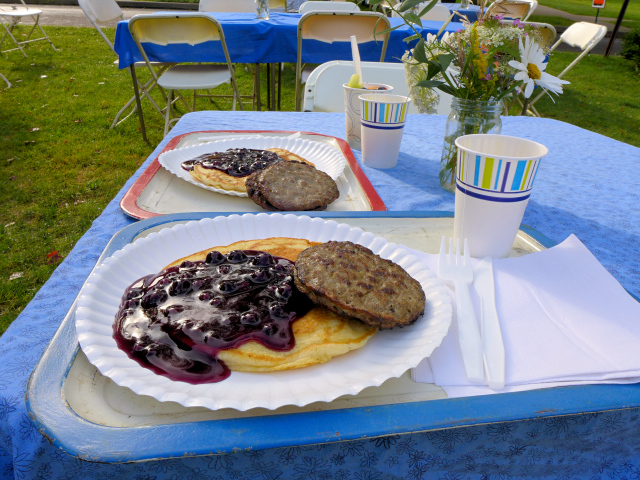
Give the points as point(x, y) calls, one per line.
point(13, 16)
point(324, 92)
point(238, 6)
point(332, 27)
point(583, 35)
point(190, 28)
point(279, 4)
point(5, 79)
point(510, 9)
point(534, 5)
point(101, 12)
point(319, 6)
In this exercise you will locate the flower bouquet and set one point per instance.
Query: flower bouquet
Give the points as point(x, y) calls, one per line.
point(483, 66)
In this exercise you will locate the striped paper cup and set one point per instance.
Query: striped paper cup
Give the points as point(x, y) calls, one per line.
point(382, 125)
point(494, 178)
point(352, 106)
point(385, 108)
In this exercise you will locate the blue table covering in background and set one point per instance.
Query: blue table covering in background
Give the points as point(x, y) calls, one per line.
point(587, 185)
point(250, 40)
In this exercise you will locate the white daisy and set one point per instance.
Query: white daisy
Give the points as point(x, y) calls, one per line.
point(531, 69)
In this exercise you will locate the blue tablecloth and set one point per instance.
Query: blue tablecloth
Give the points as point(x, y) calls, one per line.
point(274, 41)
point(587, 185)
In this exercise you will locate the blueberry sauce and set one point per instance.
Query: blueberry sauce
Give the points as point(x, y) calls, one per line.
point(175, 322)
point(237, 162)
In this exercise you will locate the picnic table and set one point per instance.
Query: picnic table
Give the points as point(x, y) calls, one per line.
point(585, 186)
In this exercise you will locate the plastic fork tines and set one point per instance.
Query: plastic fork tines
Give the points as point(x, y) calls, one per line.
point(457, 270)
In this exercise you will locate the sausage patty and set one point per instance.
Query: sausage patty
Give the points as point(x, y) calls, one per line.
point(351, 280)
point(291, 186)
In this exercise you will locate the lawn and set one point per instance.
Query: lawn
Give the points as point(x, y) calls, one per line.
point(61, 164)
point(583, 7)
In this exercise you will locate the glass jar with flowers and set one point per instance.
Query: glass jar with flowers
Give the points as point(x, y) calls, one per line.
point(483, 66)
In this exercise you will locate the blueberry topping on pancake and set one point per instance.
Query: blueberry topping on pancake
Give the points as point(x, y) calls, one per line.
point(177, 321)
point(237, 162)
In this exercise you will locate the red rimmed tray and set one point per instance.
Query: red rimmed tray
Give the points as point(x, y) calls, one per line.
point(159, 192)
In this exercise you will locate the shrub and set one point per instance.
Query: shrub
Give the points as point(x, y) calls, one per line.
point(631, 47)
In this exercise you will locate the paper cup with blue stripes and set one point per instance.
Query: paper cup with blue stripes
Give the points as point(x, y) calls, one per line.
point(494, 179)
point(352, 109)
point(383, 118)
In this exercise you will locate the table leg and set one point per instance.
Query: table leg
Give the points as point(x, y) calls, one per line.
point(269, 86)
point(279, 85)
point(132, 69)
point(272, 86)
point(256, 86)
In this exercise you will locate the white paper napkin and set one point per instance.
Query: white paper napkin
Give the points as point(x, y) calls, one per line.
point(565, 321)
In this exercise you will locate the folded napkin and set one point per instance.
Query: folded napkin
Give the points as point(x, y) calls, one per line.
point(565, 321)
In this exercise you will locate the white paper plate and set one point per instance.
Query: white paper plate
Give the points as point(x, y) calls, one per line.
point(388, 354)
point(325, 157)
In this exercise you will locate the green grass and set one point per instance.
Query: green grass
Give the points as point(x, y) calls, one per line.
point(59, 160)
point(611, 10)
point(61, 164)
point(555, 21)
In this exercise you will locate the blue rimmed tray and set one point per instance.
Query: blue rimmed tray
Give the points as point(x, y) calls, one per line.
point(88, 416)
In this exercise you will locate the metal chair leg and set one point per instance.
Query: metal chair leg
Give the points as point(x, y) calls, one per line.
point(167, 115)
point(137, 97)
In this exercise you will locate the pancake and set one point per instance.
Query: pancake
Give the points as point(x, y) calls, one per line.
point(319, 335)
point(219, 179)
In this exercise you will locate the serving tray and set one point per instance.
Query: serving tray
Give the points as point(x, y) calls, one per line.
point(159, 192)
point(87, 415)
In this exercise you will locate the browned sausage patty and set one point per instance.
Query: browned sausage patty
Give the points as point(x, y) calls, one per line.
point(291, 186)
point(351, 280)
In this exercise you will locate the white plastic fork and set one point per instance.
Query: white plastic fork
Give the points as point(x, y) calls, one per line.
point(459, 272)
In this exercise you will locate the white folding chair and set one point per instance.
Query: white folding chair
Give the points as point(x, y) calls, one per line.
point(5, 79)
point(279, 4)
point(237, 6)
point(324, 91)
point(330, 27)
point(582, 35)
point(101, 12)
point(438, 13)
point(190, 28)
point(510, 9)
point(12, 16)
point(534, 5)
point(324, 6)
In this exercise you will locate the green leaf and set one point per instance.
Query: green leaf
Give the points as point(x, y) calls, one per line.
point(447, 89)
point(445, 60)
point(407, 4)
point(412, 38)
point(428, 7)
point(387, 30)
point(430, 84)
point(419, 53)
point(412, 18)
point(433, 68)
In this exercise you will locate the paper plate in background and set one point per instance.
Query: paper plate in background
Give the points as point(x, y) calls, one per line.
point(325, 158)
